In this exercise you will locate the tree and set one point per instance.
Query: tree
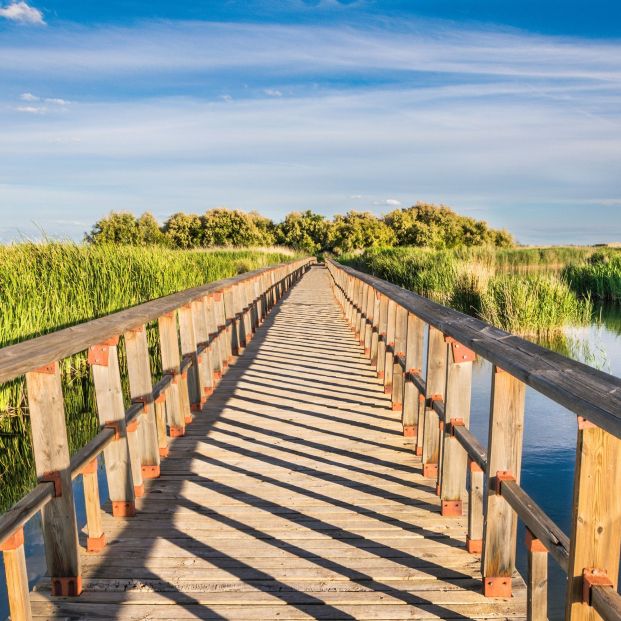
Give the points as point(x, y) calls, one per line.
point(184, 230)
point(226, 227)
point(357, 230)
point(121, 227)
point(265, 229)
point(149, 232)
point(305, 231)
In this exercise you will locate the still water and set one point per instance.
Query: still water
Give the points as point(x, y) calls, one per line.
point(548, 458)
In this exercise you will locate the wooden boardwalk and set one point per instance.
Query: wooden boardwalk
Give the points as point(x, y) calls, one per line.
point(293, 495)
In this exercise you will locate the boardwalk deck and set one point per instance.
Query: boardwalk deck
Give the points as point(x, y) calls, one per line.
point(293, 495)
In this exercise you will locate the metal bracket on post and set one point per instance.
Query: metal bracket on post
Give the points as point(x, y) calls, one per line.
point(593, 577)
point(459, 351)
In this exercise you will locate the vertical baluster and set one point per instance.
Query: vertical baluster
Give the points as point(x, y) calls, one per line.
point(375, 327)
point(474, 538)
point(413, 366)
point(391, 321)
point(537, 579)
point(176, 411)
point(398, 373)
point(122, 457)
point(231, 321)
point(140, 389)
point(368, 324)
point(506, 426)
point(51, 456)
point(456, 412)
point(96, 539)
point(435, 385)
point(595, 531)
point(160, 422)
point(381, 343)
point(16, 574)
point(201, 314)
point(217, 353)
point(187, 332)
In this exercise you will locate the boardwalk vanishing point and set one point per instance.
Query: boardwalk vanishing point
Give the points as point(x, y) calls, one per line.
point(320, 475)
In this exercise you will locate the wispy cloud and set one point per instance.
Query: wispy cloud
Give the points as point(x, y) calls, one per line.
point(29, 97)
point(22, 13)
point(510, 122)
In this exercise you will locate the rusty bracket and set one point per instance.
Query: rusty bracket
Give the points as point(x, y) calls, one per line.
point(53, 476)
point(502, 475)
point(91, 467)
point(146, 401)
point(115, 425)
point(48, 369)
point(593, 577)
point(460, 352)
point(455, 422)
point(132, 426)
point(583, 423)
point(100, 354)
point(533, 544)
point(13, 541)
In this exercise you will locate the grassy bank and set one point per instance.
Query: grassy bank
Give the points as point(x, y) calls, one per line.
point(44, 287)
point(481, 282)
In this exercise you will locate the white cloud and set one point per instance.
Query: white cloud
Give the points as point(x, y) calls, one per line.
point(388, 202)
point(32, 109)
point(57, 102)
point(29, 97)
point(272, 92)
point(23, 13)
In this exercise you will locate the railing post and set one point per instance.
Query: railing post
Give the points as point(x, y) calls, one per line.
point(201, 314)
point(596, 531)
point(398, 373)
point(456, 412)
point(474, 538)
point(390, 346)
point(121, 465)
point(368, 323)
point(375, 327)
point(51, 456)
point(537, 579)
point(176, 411)
point(506, 426)
point(413, 366)
point(187, 334)
point(96, 539)
point(436, 385)
point(140, 389)
point(381, 344)
point(17, 589)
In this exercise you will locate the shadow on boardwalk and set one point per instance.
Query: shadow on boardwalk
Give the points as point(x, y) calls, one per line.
point(293, 495)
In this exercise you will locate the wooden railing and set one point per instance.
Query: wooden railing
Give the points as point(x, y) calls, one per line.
point(435, 409)
point(200, 330)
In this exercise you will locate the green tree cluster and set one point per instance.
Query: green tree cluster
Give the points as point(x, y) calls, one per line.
point(421, 225)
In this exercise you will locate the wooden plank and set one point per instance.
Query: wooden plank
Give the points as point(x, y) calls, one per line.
point(293, 495)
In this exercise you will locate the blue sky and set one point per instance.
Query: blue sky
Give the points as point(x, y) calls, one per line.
point(505, 111)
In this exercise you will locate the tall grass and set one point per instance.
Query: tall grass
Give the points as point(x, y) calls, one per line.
point(476, 281)
point(44, 287)
point(600, 277)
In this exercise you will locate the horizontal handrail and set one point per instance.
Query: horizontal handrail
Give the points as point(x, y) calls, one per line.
point(607, 602)
point(18, 359)
point(586, 391)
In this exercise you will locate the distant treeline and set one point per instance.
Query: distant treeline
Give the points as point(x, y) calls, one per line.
point(421, 225)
